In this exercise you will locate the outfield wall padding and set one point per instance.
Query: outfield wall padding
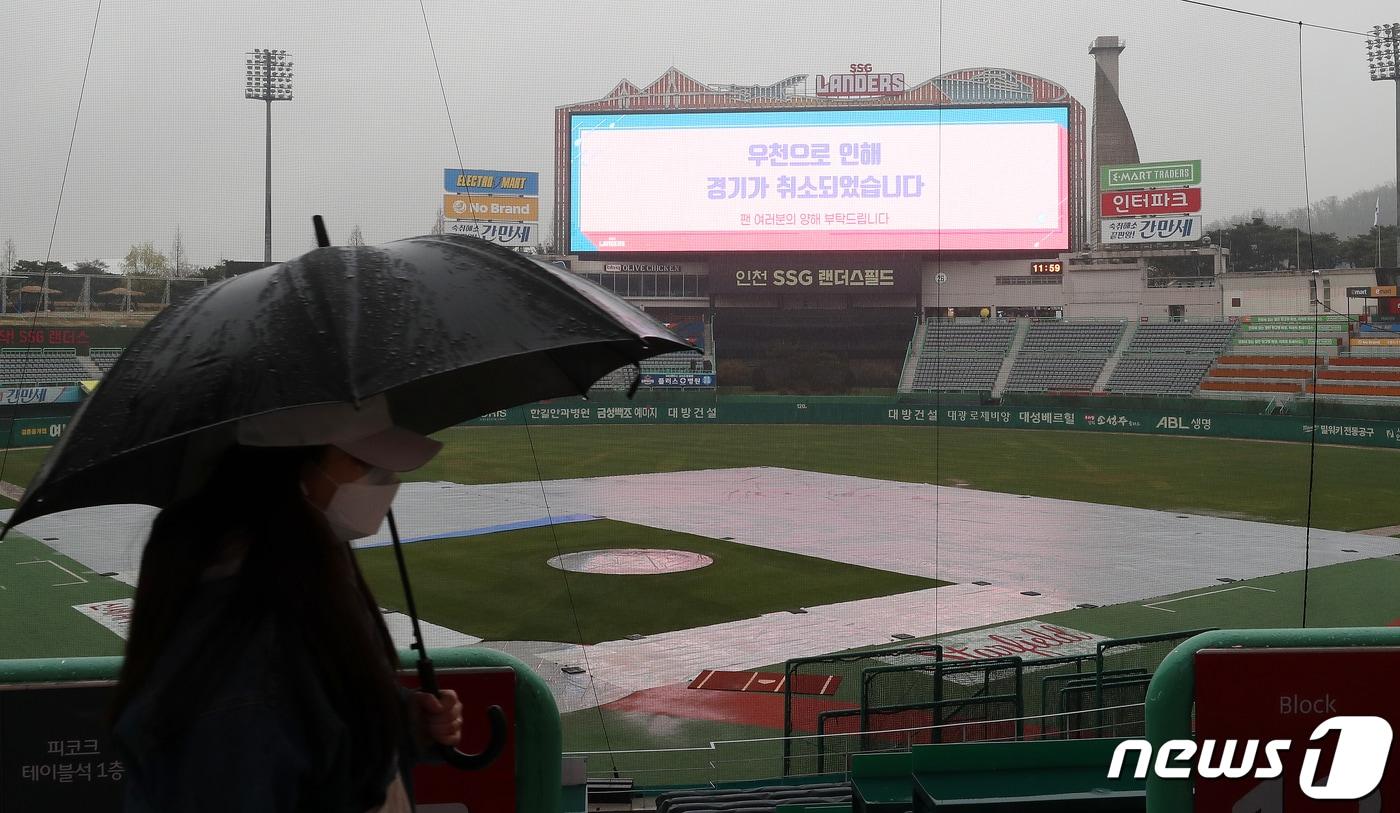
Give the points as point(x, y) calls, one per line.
point(872, 412)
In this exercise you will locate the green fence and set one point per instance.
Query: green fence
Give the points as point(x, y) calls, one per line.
point(888, 412)
point(21, 432)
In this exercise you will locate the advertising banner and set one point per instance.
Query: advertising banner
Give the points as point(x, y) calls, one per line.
point(515, 235)
point(912, 179)
point(481, 207)
point(814, 278)
point(675, 380)
point(1151, 230)
point(37, 431)
point(490, 182)
point(1279, 341)
point(1146, 176)
point(1295, 428)
point(23, 396)
point(1150, 202)
point(1293, 318)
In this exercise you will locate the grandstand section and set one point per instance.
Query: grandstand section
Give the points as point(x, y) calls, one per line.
point(1072, 337)
point(43, 366)
point(1044, 372)
point(104, 357)
point(944, 337)
point(1159, 375)
point(1171, 337)
point(957, 373)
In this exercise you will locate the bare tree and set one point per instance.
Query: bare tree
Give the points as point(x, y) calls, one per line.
point(357, 238)
point(8, 257)
point(179, 261)
point(439, 222)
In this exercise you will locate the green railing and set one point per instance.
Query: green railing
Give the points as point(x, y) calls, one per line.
point(538, 737)
point(1172, 693)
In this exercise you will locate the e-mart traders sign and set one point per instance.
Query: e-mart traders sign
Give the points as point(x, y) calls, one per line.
point(1146, 176)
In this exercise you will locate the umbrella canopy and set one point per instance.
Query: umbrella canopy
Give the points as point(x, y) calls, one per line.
point(449, 327)
point(38, 289)
point(120, 292)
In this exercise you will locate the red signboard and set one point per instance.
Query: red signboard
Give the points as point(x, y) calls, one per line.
point(1272, 695)
point(1138, 202)
point(491, 789)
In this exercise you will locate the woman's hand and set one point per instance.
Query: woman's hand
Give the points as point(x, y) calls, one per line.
point(439, 718)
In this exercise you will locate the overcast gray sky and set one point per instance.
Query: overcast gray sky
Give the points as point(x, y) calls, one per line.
point(166, 140)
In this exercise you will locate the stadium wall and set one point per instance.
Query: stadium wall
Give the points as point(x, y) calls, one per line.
point(888, 412)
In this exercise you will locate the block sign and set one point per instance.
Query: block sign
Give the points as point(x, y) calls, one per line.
point(1289, 694)
point(1150, 202)
point(1146, 176)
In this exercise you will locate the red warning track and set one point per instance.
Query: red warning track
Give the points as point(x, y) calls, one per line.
point(769, 682)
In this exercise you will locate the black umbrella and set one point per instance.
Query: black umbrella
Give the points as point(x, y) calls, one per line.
point(449, 328)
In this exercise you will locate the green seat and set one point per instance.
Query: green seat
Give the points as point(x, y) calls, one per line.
point(1032, 776)
point(881, 783)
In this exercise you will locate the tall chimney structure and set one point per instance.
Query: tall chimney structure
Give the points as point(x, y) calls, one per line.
point(1112, 141)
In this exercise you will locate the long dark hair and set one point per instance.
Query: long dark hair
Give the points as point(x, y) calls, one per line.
point(295, 575)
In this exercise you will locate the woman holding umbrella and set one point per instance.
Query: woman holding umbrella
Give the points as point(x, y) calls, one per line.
point(259, 675)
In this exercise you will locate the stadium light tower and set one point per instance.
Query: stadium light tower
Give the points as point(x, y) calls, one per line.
point(269, 80)
point(1383, 57)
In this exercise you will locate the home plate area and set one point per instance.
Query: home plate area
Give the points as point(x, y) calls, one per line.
point(1010, 556)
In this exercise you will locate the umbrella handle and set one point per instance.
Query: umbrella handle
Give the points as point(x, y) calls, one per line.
point(495, 718)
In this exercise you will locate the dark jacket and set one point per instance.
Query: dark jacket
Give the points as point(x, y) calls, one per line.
point(264, 738)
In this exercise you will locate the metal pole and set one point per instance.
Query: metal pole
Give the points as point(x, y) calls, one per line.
point(1395, 49)
point(267, 232)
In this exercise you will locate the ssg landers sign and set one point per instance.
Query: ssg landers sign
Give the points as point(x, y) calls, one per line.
point(814, 280)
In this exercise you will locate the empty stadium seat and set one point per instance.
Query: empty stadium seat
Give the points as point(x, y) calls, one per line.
point(946, 337)
point(1158, 375)
point(966, 373)
point(764, 799)
point(1039, 372)
point(1182, 338)
point(1070, 337)
point(104, 358)
point(47, 366)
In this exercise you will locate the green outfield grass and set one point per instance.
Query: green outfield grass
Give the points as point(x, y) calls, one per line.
point(499, 587)
point(1233, 478)
point(37, 619)
point(20, 466)
point(1352, 594)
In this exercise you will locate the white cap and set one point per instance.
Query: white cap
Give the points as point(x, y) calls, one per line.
point(367, 433)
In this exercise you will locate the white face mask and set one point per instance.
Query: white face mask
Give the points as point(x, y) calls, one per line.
point(358, 507)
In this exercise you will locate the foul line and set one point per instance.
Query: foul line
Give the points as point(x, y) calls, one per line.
point(1154, 604)
point(489, 529)
point(80, 579)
